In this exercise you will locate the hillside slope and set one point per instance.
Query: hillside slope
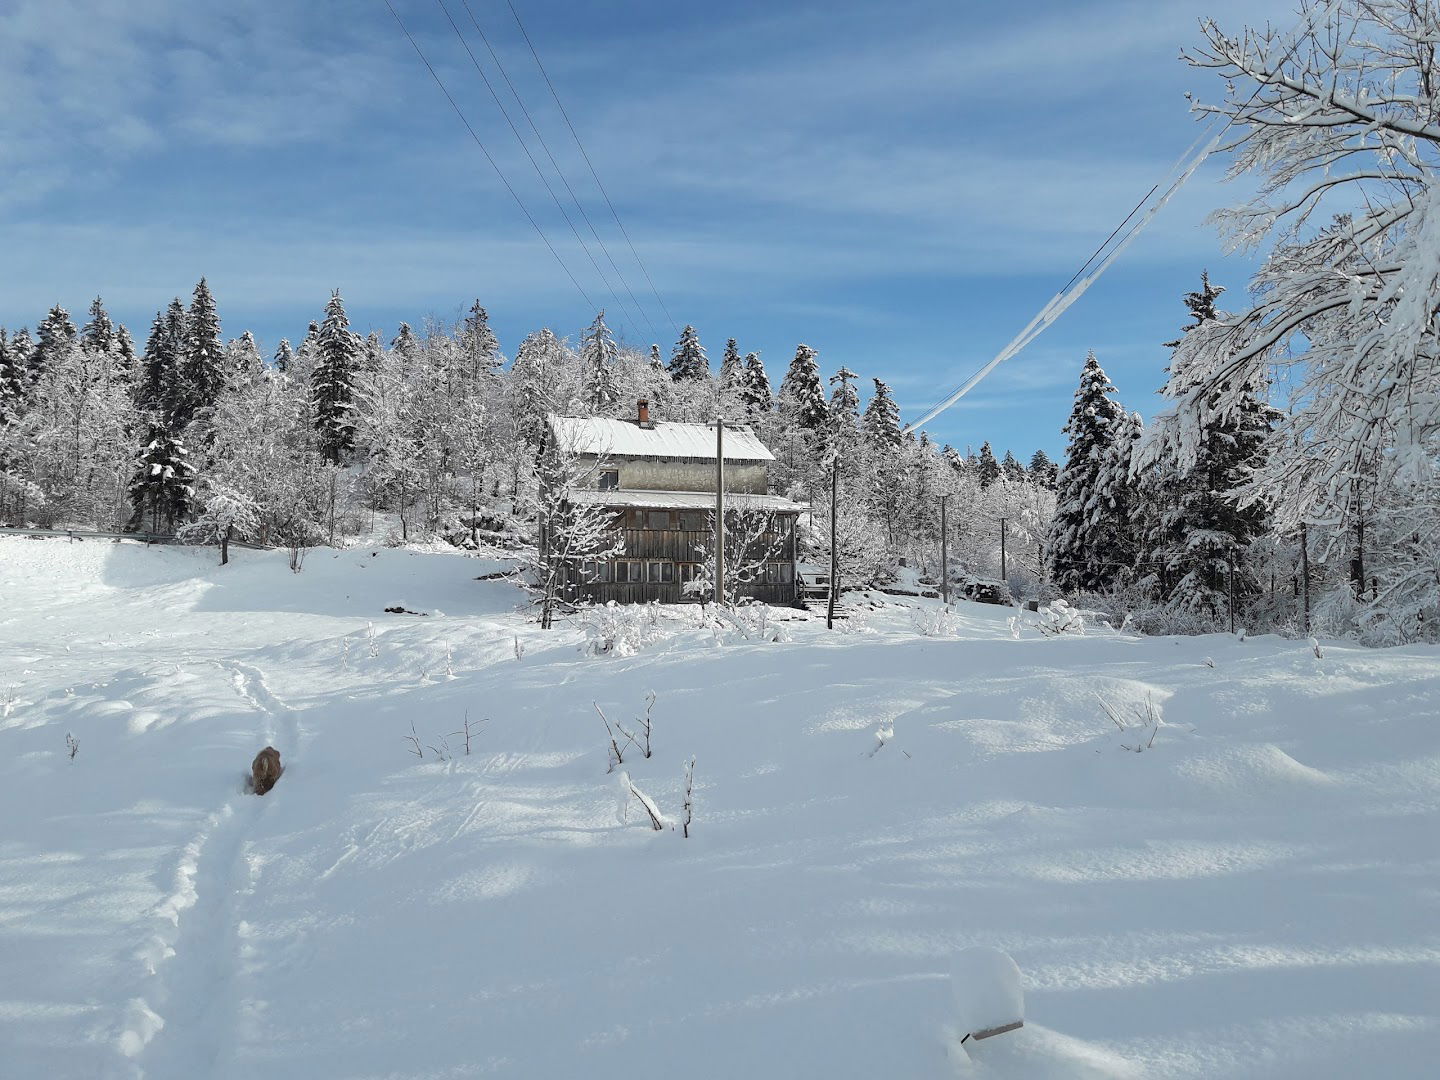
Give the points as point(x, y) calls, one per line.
point(1251, 894)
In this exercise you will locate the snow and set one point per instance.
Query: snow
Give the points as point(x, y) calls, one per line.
point(625, 438)
point(1251, 897)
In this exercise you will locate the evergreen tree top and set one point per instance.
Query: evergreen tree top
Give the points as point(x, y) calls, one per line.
point(99, 333)
point(689, 361)
point(882, 417)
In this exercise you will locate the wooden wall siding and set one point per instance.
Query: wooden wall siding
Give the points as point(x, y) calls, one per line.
point(677, 546)
point(683, 474)
point(601, 592)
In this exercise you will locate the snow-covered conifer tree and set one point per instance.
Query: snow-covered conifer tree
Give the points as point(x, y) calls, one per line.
point(732, 369)
point(203, 373)
point(1042, 470)
point(53, 338)
point(988, 469)
point(162, 489)
point(1200, 532)
point(332, 385)
point(689, 361)
point(1083, 542)
point(757, 396)
point(284, 357)
point(598, 357)
point(479, 345)
point(802, 398)
point(882, 419)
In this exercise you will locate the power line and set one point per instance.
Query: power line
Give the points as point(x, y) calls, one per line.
point(590, 304)
point(1077, 286)
point(525, 147)
point(556, 165)
point(575, 135)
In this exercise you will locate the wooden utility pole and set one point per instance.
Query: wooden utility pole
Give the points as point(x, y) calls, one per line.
point(1305, 574)
point(834, 552)
point(1232, 596)
point(944, 552)
point(720, 510)
point(1004, 575)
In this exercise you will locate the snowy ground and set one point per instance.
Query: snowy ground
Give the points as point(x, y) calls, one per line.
point(1252, 895)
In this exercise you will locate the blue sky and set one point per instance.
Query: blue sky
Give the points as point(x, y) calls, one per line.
point(900, 185)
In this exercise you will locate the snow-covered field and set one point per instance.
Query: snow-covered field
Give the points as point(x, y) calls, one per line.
point(1252, 894)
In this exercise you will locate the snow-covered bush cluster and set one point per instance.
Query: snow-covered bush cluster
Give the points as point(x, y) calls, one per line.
point(613, 629)
point(933, 621)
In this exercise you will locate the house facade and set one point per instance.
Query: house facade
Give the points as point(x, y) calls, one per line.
point(656, 481)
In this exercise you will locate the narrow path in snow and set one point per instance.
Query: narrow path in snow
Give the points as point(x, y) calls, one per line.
point(183, 1026)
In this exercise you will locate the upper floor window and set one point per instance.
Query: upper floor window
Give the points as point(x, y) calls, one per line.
point(609, 479)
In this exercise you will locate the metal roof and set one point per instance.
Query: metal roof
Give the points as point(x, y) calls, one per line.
point(604, 437)
point(684, 500)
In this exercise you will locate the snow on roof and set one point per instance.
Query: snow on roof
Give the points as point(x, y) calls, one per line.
point(625, 438)
point(684, 500)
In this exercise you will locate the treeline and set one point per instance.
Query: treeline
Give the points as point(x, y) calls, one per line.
point(437, 432)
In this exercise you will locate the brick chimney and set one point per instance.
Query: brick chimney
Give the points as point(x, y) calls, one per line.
point(643, 414)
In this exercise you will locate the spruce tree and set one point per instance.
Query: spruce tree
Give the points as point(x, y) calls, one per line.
point(802, 398)
point(732, 368)
point(284, 357)
point(162, 487)
point(53, 338)
point(1042, 470)
point(1199, 532)
point(12, 381)
point(989, 468)
point(99, 335)
point(1086, 548)
point(656, 363)
point(159, 389)
point(125, 363)
point(689, 361)
point(598, 356)
point(405, 343)
point(480, 346)
point(332, 385)
point(759, 399)
point(845, 399)
point(203, 373)
point(882, 419)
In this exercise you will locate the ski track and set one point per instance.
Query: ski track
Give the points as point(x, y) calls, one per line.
point(186, 1020)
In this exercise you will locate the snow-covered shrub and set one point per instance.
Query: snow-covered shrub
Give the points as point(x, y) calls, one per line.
point(760, 623)
point(856, 621)
point(933, 621)
point(1058, 617)
point(613, 629)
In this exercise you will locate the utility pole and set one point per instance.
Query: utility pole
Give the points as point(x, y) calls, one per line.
point(1305, 573)
point(1232, 596)
point(834, 553)
point(720, 510)
point(944, 553)
point(1004, 575)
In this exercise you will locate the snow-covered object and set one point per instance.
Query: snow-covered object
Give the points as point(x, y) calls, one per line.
point(600, 436)
point(988, 997)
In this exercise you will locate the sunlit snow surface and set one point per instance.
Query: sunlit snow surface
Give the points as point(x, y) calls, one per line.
point(1252, 894)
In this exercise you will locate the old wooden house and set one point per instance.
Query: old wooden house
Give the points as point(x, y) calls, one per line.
point(657, 480)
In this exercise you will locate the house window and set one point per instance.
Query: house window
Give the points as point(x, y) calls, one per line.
point(662, 573)
point(609, 479)
point(597, 571)
point(785, 573)
point(694, 521)
point(657, 519)
point(626, 572)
